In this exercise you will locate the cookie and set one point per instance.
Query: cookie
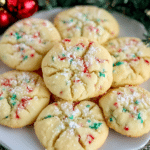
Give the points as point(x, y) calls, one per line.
point(87, 21)
point(77, 69)
point(71, 126)
point(23, 95)
point(127, 110)
point(131, 61)
point(25, 43)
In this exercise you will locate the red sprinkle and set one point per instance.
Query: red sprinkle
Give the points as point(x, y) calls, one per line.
point(17, 116)
point(44, 24)
point(120, 50)
point(126, 128)
point(116, 104)
point(22, 105)
point(74, 104)
point(112, 33)
point(135, 108)
point(6, 82)
point(118, 93)
point(29, 89)
point(55, 104)
point(61, 92)
point(91, 138)
point(61, 58)
point(76, 81)
point(1, 93)
point(66, 40)
point(85, 70)
point(11, 33)
point(136, 59)
point(132, 90)
point(147, 61)
point(99, 60)
point(85, 67)
point(79, 137)
point(90, 43)
point(32, 55)
point(81, 45)
point(91, 28)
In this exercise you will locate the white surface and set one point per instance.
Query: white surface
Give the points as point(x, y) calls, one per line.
point(25, 138)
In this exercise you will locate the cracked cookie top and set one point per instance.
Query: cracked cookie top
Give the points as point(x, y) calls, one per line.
point(22, 97)
point(71, 126)
point(77, 69)
point(87, 21)
point(131, 61)
point(127, 110)
point(26, 42)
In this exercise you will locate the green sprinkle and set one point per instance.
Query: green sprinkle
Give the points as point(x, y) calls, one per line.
point(141, 121)
point(17, 36)
point(52, 58)
point(110, 119)
point(13, 97)
point(118, 64)
point(71, 117)
point(1, 98)
point(25, 57)
point(98, 20)
point(104, 20)
point(6, 117)
point(139, 116)
point(71, 60)
point(77, 27)
point(95, 126)
point(63, 55)
point(77, 48)
point(124, 110)
point(3, 89)
point(133, 55)
point(64, 21)
point(71, 20)
point(89, 121)
point(21, 49)
point(101, 74)
point(87, 106)
point(137, 102)
point(111, 43)
point(48, 116)
point(116, 55)
point(13, 103)
point(113, 71)
point(27, 81)
point(84, 15)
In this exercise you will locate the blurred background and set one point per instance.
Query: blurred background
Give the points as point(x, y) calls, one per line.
point(13, 10)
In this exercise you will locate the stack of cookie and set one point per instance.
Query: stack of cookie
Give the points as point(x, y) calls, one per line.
point(77, 69)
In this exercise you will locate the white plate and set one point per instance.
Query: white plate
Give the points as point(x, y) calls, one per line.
point(25, 138)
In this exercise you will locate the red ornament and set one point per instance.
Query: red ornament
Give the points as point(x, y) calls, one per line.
point(5, 18)
point(22, 8)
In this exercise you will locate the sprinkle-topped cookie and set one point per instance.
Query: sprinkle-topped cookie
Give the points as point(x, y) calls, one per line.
point(131, 61)
point(127, 110)
point(77, 69)
point(26, 42)
point(22, 97)
point(71, 126)
point(87, 21)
